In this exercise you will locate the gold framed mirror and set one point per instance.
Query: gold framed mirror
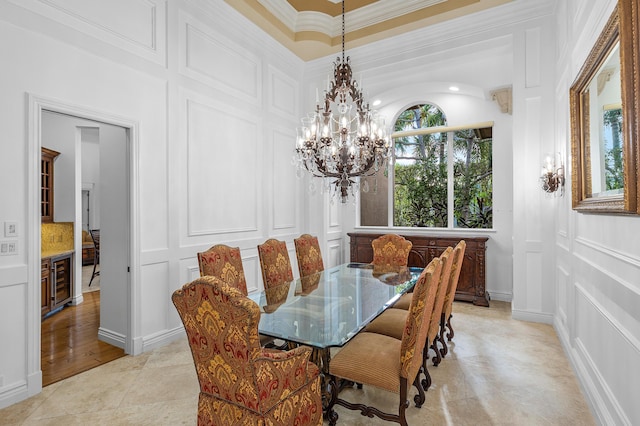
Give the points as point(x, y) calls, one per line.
point(604, 121)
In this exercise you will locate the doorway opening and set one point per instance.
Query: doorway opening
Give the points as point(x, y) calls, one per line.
point(108, 311)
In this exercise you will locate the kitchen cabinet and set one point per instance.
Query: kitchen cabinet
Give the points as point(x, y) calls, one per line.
point(57, 282)
point(46, 184)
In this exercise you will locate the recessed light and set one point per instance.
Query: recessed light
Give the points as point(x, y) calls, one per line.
point(376, 102)
point(454, 88)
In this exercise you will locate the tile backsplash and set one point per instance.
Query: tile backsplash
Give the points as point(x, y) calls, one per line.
point(57, 236)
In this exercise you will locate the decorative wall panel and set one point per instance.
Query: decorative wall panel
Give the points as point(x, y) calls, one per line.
point(223, 147)
point(283, 94)
point(285, 183)
point(213, 59)
point(138, 26)
point(155, 291)
point(252, 274)
point(598, 333)
point(532, 52)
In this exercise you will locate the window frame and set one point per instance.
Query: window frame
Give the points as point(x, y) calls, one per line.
point(449, 130)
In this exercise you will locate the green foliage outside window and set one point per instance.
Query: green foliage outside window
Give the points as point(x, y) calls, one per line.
point(613, 172)
point(421, 174)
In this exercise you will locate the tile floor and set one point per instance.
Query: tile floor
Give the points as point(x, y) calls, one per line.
point(499, 371)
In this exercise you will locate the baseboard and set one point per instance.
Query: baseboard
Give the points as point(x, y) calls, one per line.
point(114, 339)
point(530, 316)
point(161, 339)
point(20, 391)
point(501, 297)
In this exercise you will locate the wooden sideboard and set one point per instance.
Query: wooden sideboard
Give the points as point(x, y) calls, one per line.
point(471, 284)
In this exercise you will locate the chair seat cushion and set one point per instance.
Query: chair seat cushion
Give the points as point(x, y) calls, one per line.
point(389, 323)
point(369, 358)
point(404, 301)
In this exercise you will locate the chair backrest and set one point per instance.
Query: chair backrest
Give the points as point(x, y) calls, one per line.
point(417, 324)
point(458, 258)
point(95, 236)
point(434, 321)
point(275, 263)
point(225, 263)
point(391, 251)
point(308, 255)
point(222, 329)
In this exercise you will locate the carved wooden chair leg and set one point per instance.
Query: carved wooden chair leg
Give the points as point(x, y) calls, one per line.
point(437, 358)
point(426, 382)
point(444, 350)
point(451, 333)
point(420, 397)
point(329, 413)
point(404, 403)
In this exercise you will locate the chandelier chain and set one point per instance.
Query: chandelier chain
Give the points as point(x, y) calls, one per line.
point(343, 30)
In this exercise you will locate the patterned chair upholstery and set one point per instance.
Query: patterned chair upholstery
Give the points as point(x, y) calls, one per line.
point(391, 322)
point(385, 362)
point(275, 263)
point(445, 319)
point(390, 251)
point(225, 263)
point(308, 255)
point(240, 382)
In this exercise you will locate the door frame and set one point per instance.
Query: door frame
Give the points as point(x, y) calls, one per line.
point(36, 104)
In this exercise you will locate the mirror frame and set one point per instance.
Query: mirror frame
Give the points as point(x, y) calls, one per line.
point(622, 26)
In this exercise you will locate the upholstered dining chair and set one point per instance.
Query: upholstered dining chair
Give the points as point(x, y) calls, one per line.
point(391, 321)
point(275, 263)
point(308, 255)
point(224, 262)
point(240, 382)
point(445, 319)
point(387, 363)
point(390, 251)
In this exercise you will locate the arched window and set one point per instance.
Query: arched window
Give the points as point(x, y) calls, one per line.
point(441, 176)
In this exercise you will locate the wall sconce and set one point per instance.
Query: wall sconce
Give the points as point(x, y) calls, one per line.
point(552, 176)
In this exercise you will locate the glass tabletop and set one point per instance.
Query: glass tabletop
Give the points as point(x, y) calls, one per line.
point(328, 308)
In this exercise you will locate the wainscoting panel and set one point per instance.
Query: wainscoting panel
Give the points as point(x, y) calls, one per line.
point(155, 290)
point(602, 345)
point(252, 273)
point(209, 57)
point(13, 304)
point(222, 194)
point(137, 26)
point(284, 199)
point(283, 94)
point(335, 252)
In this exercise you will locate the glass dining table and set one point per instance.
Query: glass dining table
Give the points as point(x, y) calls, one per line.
point(327, 309)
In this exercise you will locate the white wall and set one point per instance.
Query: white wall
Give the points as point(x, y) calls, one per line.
point(214, 114)
point(90, 169)
point(597, 256)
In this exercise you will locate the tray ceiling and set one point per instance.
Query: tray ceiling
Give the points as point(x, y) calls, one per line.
point(312, 28)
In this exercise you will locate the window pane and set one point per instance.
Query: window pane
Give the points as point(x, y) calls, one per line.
point(420, 192)
point(420, 170)
point(473, 183)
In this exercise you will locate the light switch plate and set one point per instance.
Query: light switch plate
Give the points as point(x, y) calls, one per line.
point(8, 248)
point(11, 229)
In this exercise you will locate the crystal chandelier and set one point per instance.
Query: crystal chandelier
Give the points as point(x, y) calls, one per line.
point(343, 139)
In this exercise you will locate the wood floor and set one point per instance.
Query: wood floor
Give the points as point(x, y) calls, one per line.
point(69, 341)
